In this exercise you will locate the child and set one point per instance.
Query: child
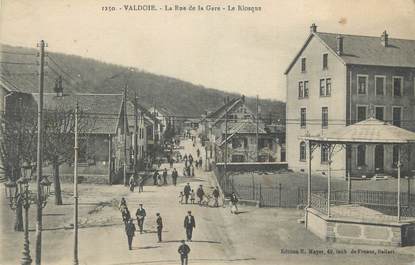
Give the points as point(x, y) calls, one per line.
point(192, 197)
point(181, 195)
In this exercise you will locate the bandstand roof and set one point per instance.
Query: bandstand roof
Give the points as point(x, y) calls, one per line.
point(368, 131)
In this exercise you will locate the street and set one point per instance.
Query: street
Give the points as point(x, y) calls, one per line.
point(254, 236)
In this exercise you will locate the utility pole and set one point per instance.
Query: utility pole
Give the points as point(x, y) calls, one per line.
point(257, 129)
point(226, 143)
point(75, 191)
point(39, 154)
point(135, 132)
point(125, 136)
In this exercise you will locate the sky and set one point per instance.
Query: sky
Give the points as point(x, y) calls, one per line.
point(242, 52)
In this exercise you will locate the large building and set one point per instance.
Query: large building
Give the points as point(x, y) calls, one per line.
point(336, 80)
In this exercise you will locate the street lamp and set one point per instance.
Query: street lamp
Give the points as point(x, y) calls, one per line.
point(19, 191)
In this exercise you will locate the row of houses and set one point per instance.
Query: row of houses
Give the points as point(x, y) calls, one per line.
point(115, 129)
point(336, 80)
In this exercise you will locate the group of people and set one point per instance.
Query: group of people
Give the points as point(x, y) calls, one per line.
point(159, 180)
point(189, 168)
point(130, 229)
point(133, 182)
point(203, 198)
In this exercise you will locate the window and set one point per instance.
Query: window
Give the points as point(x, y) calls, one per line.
point(324, 153)
point(361, 84)
point(324, 117)
point(325, 61)
point(397, 86)
point(361, 113)
point(361, 155)
point(395, 155)
point(325, 87)
point(303, 155)
point(379, 113)
point(300, 89)
point(303, 65)
point(306, 89)
point(380, 85)
point(303, 117)
point(396, 116)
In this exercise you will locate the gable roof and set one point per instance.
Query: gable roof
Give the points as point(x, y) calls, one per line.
point(103, 110)
point(365, 50)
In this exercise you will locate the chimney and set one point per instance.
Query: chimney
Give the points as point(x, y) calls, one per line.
point(339, 47)
point(313, 28)
point(58, 87)
point(384, 39)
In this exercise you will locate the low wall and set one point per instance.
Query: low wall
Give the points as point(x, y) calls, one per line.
point(357, 232)
point(252, 166)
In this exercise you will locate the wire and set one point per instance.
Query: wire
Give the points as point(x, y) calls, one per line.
point(18, 53)
point(2, 62)
point(61, 69)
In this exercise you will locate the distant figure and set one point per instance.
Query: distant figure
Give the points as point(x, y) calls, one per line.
point(189, 224)
point(190, 159)
point(192, 197)
point(140, 184)
point(200, 193)
point(234, 203)
point(140, 214)
point(171, 162)
point(130, 231)
point(159, 224)
point(197, 163)
point(192, 171)
point(131, 183)
point(159, 180)
point(174, 176)
point(185, 157)
point(123, 203)
point(165, 176)
point(155, 177)
point(198, 152)
point(181, 196)
point(200, 162)
point(215, 194)
point(186, 192)
point(184, 251)
point(125, 214)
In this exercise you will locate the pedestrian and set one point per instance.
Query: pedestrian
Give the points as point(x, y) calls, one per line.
point(174, 176)
point(123, 203)
point(125, 214)
point(171, 162)
point(200, 162)
point(159, 180)
point(192, 197)
point(140, 214)
point(186, 191)
point(188, 172)
point(165, 176)
point(130, 231)
point(185, 157)
point(190, 159)
point(189, 225)
point(131, 183)
point(215, 194)
point(186, 163)
point(184, 251)
point(184, 171)
point(198, 152)
point(192, 171)
point(197, 163)
point(200, 193)
point(155, 177)
point(181, 196)
point(140, 184)
point(234, 203)
point(159, 224)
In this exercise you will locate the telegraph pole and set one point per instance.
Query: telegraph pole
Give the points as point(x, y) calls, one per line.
point(135, 132)
point(39, 154)
point(125, 136)
point(75, 191)
point(226, 143)
point(257, 129)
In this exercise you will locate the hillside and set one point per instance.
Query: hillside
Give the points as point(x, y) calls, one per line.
point(84, 75)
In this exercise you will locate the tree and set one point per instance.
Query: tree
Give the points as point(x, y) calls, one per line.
point(18, 134)
point(59, 138)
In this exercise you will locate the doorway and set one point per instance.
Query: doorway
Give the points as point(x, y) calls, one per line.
point(379, 159)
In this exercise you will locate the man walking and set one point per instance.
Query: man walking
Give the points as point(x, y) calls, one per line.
point(155, 177)
point(184, 251)
point(140, 184)
point(186, 191)
point(174, 176)
point(189, 224)
point(216, 196)
point(165, 176)
point(200, 193)
point(159, 224)
point(140, 214)
point(130, 231)
point(132, 183)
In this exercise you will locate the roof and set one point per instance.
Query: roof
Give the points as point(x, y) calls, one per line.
point(141, 111)
point(221, 110)
point(366, 50)
point(246, 127)
point(368, 131)
point(103, 109)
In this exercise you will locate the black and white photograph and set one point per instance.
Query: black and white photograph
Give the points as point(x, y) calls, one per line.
point(207, 132)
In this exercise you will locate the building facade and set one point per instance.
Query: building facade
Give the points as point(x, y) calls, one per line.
point(336, 80)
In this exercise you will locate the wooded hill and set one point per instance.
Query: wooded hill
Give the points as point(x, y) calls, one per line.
point(85, 75)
